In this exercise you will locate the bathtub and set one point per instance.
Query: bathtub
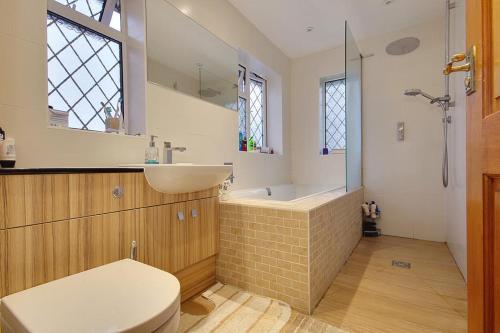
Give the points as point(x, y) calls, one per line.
point(289, 245)
point(290, 193)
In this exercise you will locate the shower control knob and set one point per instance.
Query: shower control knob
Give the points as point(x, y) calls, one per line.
point(401, 131)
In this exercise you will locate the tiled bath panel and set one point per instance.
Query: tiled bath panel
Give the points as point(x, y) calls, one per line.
point(286, 253)
point(335, 230)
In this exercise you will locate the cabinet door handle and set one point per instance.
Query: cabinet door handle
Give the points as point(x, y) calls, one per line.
point(194, 213)
point(118, 192)
point(180, 216)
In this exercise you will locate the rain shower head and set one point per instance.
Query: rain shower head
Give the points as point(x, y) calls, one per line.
point(416, 92)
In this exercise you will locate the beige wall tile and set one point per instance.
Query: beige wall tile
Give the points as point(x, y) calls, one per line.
point(335, 231)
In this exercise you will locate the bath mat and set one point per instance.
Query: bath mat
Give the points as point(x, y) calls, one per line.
point(240, 311)
point(300, 323)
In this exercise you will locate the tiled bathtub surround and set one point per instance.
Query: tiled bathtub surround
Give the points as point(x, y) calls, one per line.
point(265, 251)
point(290, 252)
point(334, 231)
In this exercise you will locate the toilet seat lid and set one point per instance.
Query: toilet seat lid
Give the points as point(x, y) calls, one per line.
point(124, 296)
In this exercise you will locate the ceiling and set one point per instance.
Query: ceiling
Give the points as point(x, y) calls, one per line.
point(284, 22)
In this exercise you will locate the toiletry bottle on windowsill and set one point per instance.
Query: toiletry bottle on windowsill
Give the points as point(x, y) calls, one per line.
point(152, 152)
point(250, 144)
point(244, 144)
point(7, 151)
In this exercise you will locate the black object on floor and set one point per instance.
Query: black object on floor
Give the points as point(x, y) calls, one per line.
point(370, 226)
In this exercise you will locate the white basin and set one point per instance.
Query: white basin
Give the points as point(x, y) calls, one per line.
point(184, 177)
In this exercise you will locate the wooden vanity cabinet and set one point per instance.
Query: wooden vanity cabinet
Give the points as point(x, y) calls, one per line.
point(55, 225)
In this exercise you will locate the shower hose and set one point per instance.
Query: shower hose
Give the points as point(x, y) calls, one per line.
point(444, 170)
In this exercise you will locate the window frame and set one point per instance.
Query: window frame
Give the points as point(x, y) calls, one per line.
point(100, 27)
point(249, 75)
point(243, 94)
point(323, 82)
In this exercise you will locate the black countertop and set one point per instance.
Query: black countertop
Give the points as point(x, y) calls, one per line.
point(42, 171)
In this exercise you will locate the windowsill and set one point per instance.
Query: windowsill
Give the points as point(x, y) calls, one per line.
point(80, 131)
point(258, 153)
point(335, 152)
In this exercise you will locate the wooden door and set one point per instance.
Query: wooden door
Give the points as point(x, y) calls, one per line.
point(483, 169)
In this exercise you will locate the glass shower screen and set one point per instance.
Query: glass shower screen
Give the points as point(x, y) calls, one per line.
point(354, 176)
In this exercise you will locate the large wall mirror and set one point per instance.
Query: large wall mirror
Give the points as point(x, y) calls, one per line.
point(184, 56)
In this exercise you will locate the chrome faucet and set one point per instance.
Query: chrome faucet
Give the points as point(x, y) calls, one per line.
point(231, 176)
point(268, 189)
point(167, 152)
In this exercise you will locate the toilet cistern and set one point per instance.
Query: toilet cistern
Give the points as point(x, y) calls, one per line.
point(168, 152)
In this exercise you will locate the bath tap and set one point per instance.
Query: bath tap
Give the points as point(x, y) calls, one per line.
point(167, 152)
point(231, 176)
point(268, 189)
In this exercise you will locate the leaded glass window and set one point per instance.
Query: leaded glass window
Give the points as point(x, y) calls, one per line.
point(242, 111)
point(84, 72)
point(257, 112)
point(252, 106)
point(334, 114)
point(90, 8)
point(95, 9)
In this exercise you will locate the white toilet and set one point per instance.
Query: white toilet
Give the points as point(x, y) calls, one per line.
point(124, 296)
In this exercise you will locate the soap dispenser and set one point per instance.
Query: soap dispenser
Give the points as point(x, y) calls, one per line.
point(152, 152)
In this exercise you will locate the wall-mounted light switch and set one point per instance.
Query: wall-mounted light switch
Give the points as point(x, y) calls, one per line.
point(401, 131)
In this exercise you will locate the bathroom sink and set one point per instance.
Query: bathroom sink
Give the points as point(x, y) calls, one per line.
point(184, 177)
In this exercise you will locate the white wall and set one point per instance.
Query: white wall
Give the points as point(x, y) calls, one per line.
point(229, 24)
point(208, 131)
point(308, 165)
point(174, 79)
point(456, 191)
point(405, 177)
point(184, 122)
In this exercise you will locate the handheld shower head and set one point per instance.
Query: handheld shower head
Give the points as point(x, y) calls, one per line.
point(416, 92)
point(413, 92)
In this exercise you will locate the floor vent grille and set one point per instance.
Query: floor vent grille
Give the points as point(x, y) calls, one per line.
point(401, 264)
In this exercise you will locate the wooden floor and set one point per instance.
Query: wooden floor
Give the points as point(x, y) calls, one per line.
point(371, 295)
